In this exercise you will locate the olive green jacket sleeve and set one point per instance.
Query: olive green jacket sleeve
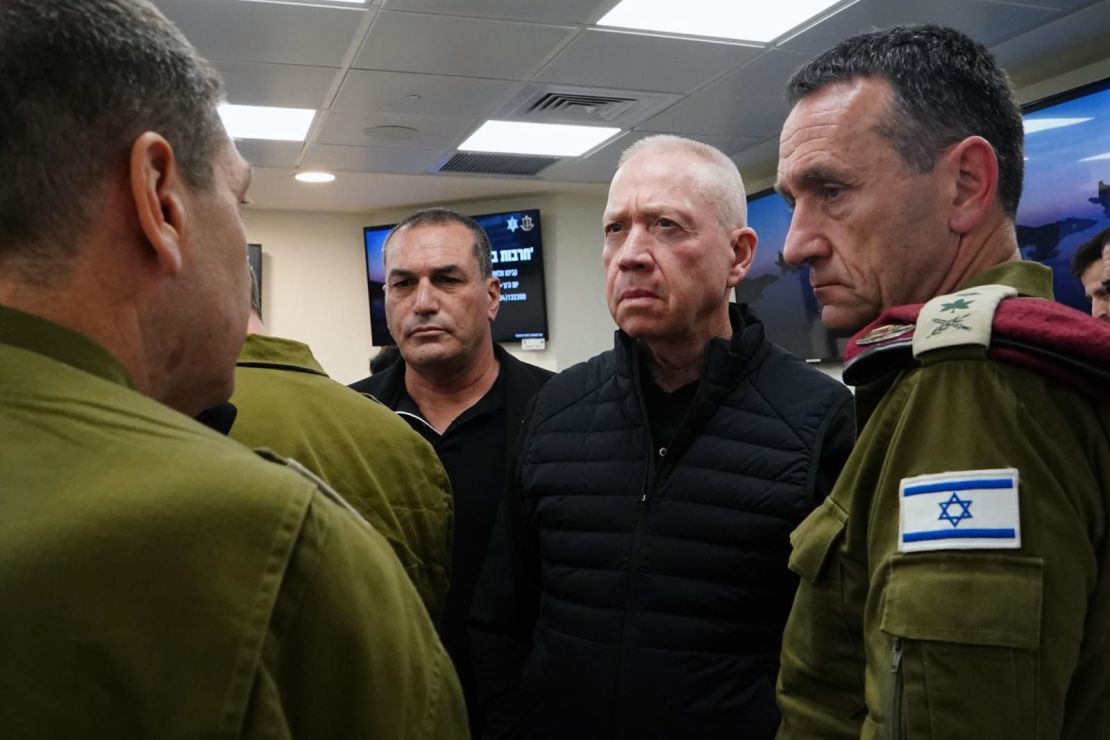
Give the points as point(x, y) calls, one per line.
point(952, 644)
point(386, 471)
point(350, 651)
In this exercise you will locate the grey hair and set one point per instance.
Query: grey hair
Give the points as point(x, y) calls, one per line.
point(443, 216)
point(79, 81)
point(722, 179)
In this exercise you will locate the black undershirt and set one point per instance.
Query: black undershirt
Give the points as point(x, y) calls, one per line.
point(666, 411)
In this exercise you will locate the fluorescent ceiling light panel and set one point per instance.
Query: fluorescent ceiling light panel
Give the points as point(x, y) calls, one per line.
point(548, 139)
point(743, 20)
point(263, 122)
point(1034, 125)
point(1096, 158)
point(314, 176)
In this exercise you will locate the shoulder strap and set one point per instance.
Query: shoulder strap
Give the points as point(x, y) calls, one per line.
point(959, 319)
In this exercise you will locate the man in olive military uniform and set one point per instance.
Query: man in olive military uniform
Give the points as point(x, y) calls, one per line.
point(157, 579)
point(286, 402)
point(956, 583)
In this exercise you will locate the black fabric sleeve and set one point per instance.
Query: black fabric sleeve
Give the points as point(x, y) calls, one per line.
point(834, 444)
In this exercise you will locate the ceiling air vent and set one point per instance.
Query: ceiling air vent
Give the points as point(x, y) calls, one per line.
point(588, 106)
point(599, 107)
point(496, 164)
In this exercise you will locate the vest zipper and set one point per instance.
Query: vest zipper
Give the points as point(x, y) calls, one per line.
point(895, 716)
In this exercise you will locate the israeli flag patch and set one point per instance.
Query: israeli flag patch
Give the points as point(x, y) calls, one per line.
point(964, 510)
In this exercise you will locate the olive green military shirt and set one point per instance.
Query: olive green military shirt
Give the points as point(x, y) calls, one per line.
point(385, 470)
point(160, 581)
point(951, 644)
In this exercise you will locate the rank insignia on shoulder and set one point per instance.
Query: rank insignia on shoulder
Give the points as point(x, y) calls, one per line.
point(959, 319)
point(884, 333)
point(963, 510)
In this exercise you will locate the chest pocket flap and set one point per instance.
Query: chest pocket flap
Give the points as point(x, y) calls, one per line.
point(814, 540)
point(969, 598)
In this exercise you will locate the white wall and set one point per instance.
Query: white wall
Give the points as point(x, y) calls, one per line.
point(314, 279)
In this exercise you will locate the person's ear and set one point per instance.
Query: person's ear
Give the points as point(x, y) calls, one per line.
point(974, 167)
point(743, 242)
point(493, 286)
point(158, 198)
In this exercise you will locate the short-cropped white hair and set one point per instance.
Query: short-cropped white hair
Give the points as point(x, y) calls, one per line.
point(722, 181)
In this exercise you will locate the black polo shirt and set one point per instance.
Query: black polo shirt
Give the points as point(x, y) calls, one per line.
point(472, 450)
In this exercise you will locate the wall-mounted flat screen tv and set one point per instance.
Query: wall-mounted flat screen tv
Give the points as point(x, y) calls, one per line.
point(517, 256)
point(778, 291)
point(1066, 199)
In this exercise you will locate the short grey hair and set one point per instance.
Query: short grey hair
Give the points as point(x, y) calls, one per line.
point(722, 181)
point(80, 80)
point(441, 217)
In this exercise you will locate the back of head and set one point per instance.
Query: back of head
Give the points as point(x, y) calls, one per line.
point(721, 178)
point(946, 87)
point(79, 80)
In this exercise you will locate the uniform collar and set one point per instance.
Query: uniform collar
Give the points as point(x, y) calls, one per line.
point(28, 332)
point(263, 351)
point(1029, 278)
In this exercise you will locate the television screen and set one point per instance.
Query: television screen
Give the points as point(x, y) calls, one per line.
point(1066, 198)
point(778, 291)
point(517, 256)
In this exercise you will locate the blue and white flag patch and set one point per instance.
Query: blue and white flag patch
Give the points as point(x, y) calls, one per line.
point(964, 510)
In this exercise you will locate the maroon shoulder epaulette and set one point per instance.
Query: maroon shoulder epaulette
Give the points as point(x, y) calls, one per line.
point(1041, 335)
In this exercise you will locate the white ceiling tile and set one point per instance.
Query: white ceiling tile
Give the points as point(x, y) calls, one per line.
point(602, 164)
point(266, 32)
point(758, 160)
point(282, 85)
point(371, 159)
point(720, 116)
point(396, 92)
point(985, 22)
point(1067, 43)
point(393, 130)
point(580, 170)
point(1058, 4)
point(641, 61)
point(439, 44)
point(563, 11)
point(764, 78)
point(269, 153)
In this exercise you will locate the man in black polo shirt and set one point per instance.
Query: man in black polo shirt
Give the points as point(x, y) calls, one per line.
point(454, 386)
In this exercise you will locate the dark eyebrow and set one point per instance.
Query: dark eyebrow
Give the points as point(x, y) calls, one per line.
point(436, 271)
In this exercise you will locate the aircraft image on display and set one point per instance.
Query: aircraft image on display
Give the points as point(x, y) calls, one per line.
point(1040, 242)
point(751, 289)
point(1103, 198)
point(785, 266)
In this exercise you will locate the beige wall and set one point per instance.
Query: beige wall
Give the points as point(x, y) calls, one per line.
point(314, 279)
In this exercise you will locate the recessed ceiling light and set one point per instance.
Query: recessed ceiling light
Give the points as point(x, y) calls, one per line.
point(314, 177)
point(741, 20)
point(1033, 125)
point(549, 139)
point(263, 122)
